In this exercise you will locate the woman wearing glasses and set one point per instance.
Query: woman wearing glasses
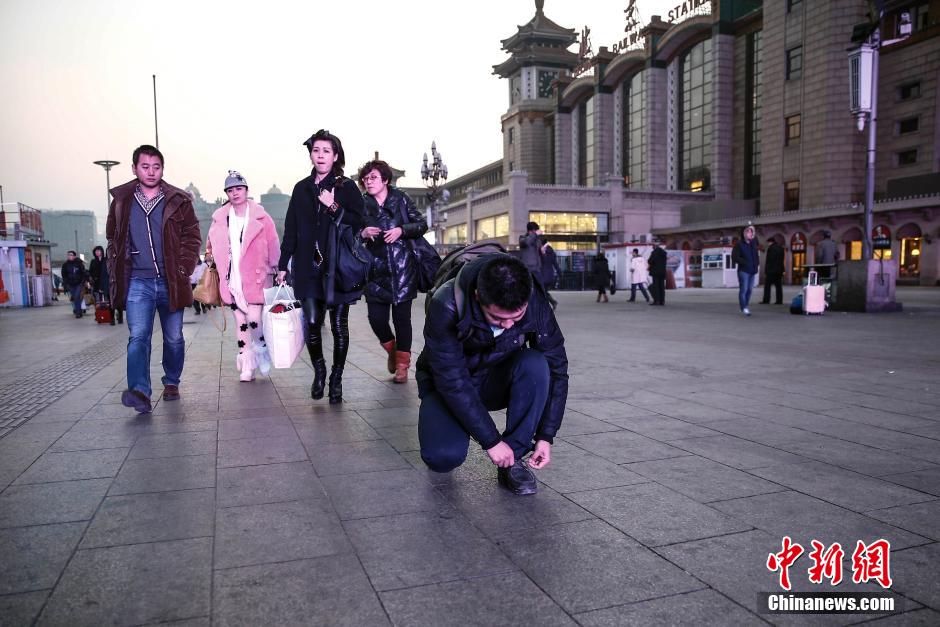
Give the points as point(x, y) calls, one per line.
point(392, 219)
point(244, 244)
point(317, 203)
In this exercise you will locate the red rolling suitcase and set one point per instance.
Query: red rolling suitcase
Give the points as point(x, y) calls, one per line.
point(103, 314)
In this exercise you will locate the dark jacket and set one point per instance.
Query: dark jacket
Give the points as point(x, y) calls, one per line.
point(601, 272)
point(530, 251)
point(657, 262)
point(181, 244)
point(398, 282)
point(746, 256)
point(302, 236)
point(73, 273)
point(460, 349)
point(550, 270)
point(98, 270)
point(774, 261)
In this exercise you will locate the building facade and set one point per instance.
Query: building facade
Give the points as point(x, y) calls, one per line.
point(70, 230)
point(732, 112)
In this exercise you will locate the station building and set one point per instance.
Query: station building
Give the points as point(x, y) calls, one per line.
point(731, 112)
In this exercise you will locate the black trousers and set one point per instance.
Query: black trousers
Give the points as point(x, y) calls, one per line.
point(775, 280)
point(401, 319)
point(315, 313)
point(658, 289)
point(519, 384)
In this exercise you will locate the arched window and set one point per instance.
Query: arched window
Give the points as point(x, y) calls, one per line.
point(695, 118)
point(634, 131)
point(586, 173)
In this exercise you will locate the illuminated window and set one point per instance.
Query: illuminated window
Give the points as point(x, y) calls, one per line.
point(570, 223)
point(695, 118)
point(882, 253)
point(794, 129)
point(492, 227)
point(456, 234)
point(696, 186)
point(854, 251)
point(910, 257)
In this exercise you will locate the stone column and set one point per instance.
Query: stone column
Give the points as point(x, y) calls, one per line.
point(562, 147)
point(656, 153)
point(518, 206)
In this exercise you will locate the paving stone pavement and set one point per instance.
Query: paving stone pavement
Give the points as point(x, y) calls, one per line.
point(694, 440)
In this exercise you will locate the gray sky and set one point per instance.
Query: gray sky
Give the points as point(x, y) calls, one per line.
point(240, 84)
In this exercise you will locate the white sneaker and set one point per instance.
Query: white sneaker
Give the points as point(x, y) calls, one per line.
point(746, 311)
point(263, 359)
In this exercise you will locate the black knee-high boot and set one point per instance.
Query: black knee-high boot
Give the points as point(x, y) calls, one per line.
point(313, 312)
point(339, 325)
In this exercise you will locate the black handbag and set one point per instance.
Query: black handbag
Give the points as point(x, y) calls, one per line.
point(427, 259)
point(353, 260)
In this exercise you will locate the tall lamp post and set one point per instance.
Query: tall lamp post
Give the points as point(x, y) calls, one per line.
point(434, 176)
point(863, 83)
point(107, 165)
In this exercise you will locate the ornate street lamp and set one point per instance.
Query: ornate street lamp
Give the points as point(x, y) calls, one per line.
point(434, 177)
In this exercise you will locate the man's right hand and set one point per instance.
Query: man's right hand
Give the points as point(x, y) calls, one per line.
point(502, 455)
point(280, 277)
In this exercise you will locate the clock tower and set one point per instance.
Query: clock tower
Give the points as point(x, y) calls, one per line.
point(538, 54)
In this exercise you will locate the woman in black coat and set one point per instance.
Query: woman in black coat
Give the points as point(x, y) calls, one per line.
point(392, 219)
point(601, 276)
point(98, 271)
point(317, 204)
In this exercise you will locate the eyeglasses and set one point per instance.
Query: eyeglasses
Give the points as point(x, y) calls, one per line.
point(371, 178)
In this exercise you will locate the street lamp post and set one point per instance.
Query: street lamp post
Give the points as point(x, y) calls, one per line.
point(107, 165)
point(434, 176)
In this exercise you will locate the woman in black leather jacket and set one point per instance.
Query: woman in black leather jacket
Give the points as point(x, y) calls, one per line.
point(317, 203)
point(392, 219)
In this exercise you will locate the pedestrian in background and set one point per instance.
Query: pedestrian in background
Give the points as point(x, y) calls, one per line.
point(74, 276)
point(153, 247)
point(245, 247)
point(746, 258)
point(601, 276)
point(98, 271)
point(392, 220)
point(773, 272)
point(827, 253)
point(657, 270)
point(317, 203)
point(638, 276)
point(194, 279)
point(530, 248)
point(549, 272)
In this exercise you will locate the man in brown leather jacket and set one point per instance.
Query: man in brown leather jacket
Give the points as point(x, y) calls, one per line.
point(153, 247)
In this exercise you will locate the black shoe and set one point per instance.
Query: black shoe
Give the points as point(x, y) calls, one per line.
point(197, 312)
point(518, 479)
point(319, 379)
point(764, 302)
point(137, 400)
point(336, 385)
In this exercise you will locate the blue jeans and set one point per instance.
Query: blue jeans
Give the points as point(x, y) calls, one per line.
point(75, 294)
point(746, 283)
point(520, 384)
point(144, 298)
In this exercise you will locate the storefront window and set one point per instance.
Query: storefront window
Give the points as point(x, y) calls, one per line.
point(910, 257)
point(853, 251)
point(696, 118)
point(562, 223)
point(634, 131)
point(456, 234)
point(492, 227)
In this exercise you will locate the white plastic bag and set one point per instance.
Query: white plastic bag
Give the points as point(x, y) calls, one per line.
point(283, 330)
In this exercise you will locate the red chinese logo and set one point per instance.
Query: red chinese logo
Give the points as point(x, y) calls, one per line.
point(783, 560)
point(872, 562)
point(826, 563)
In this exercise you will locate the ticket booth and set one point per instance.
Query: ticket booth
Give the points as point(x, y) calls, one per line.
point(717, 269)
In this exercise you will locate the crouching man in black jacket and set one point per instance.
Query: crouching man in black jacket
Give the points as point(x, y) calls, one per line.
point(491, 342)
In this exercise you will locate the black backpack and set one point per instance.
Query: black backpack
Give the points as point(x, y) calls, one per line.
point(453, 262)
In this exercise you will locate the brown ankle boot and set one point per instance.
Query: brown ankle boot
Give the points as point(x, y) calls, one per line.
point(389, 347)
point(605, 298)
point(402, 363)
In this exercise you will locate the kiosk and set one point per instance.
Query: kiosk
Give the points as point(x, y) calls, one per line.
point(717, 269)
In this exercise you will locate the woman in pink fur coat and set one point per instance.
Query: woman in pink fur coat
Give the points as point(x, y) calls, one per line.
point(244, 244)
